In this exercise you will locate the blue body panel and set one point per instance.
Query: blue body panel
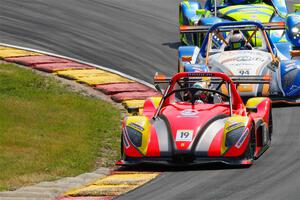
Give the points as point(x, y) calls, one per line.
point(211, 20)
point(284, 48)
point(188, 67)
point(189, 12)
point(195, 68)
point(277, 35)
point(281, 7)
point(290, 77)
point(186, 51)
point(293, 29)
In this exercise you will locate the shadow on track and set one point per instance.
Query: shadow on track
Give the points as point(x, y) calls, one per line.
point(170, 168)
point(172, 45)
point(284, 105)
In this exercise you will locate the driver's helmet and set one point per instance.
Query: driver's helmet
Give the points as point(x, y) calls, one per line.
point(236, 41)
point(202, 96)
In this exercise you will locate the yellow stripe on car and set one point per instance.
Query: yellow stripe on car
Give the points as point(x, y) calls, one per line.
point(143, 122)
point(231, 124)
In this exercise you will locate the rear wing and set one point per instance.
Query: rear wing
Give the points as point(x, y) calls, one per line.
point(158, 79)
point(228, 26)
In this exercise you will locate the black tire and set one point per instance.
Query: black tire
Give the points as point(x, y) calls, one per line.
point(123, 156)
point(270, 128)
point(249, 154)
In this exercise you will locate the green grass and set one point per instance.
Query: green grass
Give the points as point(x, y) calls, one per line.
point(48, 131)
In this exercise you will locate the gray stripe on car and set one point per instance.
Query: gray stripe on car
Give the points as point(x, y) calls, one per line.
point(163, 137)
point(208, 136)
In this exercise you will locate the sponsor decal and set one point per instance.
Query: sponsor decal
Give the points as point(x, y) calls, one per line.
point(201, 74)
point(293, 89)
point(244, 72)
point(242, 138)
point(291, 65)
point(249, 59)
point(184, 135)
point(189, 113)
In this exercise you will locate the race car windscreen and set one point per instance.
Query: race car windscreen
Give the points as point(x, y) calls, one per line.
point(200, 90)
point(236, 39)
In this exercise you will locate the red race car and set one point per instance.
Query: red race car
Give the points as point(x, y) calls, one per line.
point(199, 119)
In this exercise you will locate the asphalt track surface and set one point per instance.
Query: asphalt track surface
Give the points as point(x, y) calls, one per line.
point(140, 37)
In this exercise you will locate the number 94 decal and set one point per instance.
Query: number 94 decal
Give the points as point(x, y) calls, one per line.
point(184, 135)
point(244, 72)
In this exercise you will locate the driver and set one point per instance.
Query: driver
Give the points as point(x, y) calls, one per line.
point(201, 96)
point(237, 41)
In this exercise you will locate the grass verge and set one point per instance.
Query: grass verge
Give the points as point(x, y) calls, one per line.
point(48, 131)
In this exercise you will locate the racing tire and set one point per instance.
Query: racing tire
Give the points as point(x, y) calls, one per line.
point(270, 127)
point(123, 156)
point(250, 151)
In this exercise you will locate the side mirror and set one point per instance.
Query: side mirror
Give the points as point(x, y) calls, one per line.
point(133, 111)
point(200, 12)
point(251, 109)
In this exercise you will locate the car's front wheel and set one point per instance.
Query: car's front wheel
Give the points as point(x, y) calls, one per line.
point(123, 156)
point(270, 127)
point(249, 154)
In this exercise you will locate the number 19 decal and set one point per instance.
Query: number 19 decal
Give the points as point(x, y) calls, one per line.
point(184, 135)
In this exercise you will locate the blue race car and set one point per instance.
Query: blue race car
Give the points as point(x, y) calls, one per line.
point(191, 13)
point(230, 47)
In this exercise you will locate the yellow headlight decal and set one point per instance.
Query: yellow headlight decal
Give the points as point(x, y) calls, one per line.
point(141, 124)
point(231, 124)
